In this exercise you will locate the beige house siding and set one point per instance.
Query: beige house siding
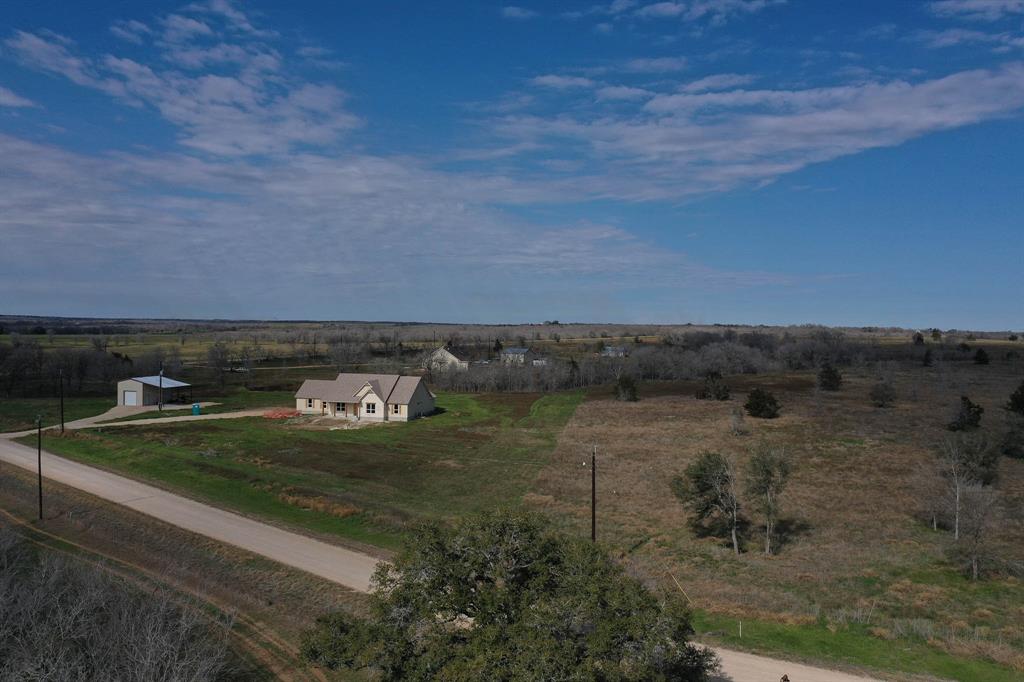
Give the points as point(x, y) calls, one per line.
point(421, 403)
point(341, 399)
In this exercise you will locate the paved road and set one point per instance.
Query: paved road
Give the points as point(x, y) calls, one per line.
point(340, 565)
point(337, 564)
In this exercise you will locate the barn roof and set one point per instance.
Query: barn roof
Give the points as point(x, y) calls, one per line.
point(155, 381)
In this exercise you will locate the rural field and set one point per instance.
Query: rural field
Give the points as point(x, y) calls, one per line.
point(859, 578)
point(858, 558)
point(367, 484)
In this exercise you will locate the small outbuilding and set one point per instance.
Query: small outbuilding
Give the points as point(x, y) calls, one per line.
point(139, 391)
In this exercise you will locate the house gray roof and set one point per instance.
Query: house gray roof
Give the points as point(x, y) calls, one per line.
point(391, 388)
point(515, 350)
point(155, 381)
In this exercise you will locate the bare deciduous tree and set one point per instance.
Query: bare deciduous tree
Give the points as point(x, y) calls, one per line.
point(979, 516)
point(61, 622)
point(965, 461)
point(767, 474)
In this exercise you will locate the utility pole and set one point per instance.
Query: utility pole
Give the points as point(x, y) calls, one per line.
point(160, 400)
point(61, 379)
point(593, 495)
point(39, 457)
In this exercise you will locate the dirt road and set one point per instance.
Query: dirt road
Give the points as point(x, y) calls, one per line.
point(343, 566)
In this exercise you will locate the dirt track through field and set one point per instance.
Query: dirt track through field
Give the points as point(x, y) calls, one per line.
point(337, 564)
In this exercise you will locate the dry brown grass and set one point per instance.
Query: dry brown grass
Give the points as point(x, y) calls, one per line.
point(858, 537)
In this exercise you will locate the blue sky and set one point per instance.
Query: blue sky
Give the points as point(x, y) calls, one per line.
point(740, 161)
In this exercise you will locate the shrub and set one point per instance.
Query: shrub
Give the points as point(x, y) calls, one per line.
point(714, 388)
point(762, 404)
point(964, 347)
point(936, 335)
point(967, 415)
point(883, 394)
point(829, 378)
point(1016, 403)
point(1013, 440)
point(625, 389)
point(918, 339)
point(1012, 337)
point(981, 357)
point(737, 424)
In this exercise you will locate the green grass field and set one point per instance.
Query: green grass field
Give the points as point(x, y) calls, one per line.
point(851, 645)
point(18, 414)
point(232, 402)
point(365, 484)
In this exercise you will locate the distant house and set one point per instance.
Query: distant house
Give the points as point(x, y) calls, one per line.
point(614, 352)
point(139, 391)
point(516, 355)
point(442, 359)
point(366, 397)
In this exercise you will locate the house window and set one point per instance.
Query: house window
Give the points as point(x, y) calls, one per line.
point(309, 402)
point(339, 407)
point(396, 409)
point(371, 408)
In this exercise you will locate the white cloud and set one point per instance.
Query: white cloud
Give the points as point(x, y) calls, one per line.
point(715, 11)
point(562, 82)
point(130, 30)
point(513, 12)
point(964, 36)
point(179, 29)
point(622, 92)
point(220, 114)
point(718, 81)
point(11, 99)
point(264, 180)
point(680, 144)
point(978, 10)
point(656, 64)
point(661, 10)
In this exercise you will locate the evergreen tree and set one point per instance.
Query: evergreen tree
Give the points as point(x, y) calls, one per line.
point(762, 404)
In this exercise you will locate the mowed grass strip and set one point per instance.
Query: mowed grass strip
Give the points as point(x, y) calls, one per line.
point(19, 414)
point(242, 399)
point(365, 484)
point(852, 645)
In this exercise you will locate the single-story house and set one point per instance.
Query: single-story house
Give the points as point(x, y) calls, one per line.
point(516, 356)
point(139, 391)
point(366, 397)
point(442, 359)
point(614, 352)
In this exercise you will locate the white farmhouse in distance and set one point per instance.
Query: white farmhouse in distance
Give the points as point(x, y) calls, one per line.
point(366, 397)
point(442, 359)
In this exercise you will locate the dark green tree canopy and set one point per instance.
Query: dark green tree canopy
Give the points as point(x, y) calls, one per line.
point(967, 415)
point(829, 378)
point(1016, 403)
point(504, 597)
point(762, 404)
